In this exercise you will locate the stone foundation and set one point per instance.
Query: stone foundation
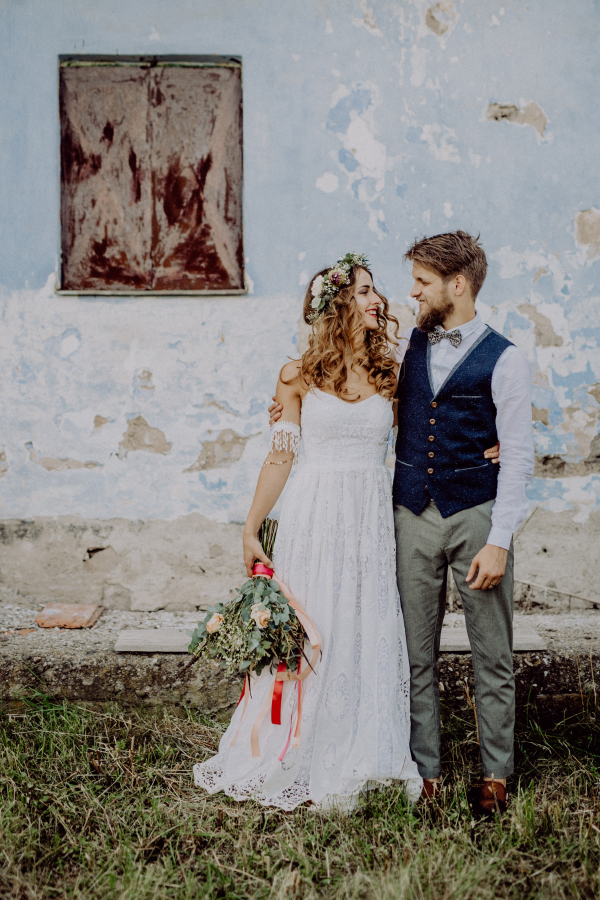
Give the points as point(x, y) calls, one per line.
point(82, 665)
point(184, 564)
point(190, 562)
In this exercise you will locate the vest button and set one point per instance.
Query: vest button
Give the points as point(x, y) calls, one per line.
point(432, 421)
point(431, 455)
point(430, 471)
point(431, 438)
point(433, 404)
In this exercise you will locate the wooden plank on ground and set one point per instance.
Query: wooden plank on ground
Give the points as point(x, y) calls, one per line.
point(171, 640)
point(456, 640)
point(152, 640)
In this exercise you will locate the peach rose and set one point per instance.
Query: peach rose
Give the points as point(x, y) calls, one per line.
point(260, 616)
point(214, 623)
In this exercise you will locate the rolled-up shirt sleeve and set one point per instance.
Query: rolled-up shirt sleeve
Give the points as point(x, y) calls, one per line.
point(511, 392)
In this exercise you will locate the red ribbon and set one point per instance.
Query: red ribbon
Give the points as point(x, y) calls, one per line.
point(260, 569)
point(277, 695)
point(242, 694)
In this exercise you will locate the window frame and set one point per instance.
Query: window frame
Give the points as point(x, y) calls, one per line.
point(148, 61)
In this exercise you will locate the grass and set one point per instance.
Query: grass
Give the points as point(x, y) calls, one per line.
point(100, 804)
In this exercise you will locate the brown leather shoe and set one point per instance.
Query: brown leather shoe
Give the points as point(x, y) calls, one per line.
point(490, 798)
point(430, 790)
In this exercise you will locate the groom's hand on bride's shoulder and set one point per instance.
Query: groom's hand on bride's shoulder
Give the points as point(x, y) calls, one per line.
point(275, 411)
point(490, 566)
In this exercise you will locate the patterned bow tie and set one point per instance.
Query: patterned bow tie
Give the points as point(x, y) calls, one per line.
point(455, 337)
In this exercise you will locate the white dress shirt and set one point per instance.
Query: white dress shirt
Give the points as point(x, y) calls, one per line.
point(511, 393)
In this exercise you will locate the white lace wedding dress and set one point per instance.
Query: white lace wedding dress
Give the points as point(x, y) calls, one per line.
point(335, 549)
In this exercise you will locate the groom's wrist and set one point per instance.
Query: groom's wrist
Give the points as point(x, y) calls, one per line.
point(500, 537)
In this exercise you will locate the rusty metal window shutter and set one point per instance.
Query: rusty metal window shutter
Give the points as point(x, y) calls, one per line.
point(151, 175)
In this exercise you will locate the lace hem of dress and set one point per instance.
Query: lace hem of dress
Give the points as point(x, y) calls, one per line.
point(285, 436)
point(211, 777)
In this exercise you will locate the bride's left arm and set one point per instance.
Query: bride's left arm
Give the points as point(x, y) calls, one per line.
point(277, 466)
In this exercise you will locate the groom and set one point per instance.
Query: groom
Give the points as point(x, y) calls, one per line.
point(462, 387)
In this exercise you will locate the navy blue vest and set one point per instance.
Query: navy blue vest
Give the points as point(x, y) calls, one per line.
point(441, 437)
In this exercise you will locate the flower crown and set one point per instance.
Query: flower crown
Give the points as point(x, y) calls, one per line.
point(325, 287)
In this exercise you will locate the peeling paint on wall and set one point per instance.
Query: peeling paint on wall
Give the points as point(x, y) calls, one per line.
point(141, 436)
point(529, 114)
point(364, 129)
point(59, 465)
point(594, 390)
point(227, 448)
point(544, 333)
point(441, 17)
point(587, 230)
point(145, 379)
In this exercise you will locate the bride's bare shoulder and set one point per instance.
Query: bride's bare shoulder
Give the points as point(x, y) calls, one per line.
point(291, 378)
point(291, 371)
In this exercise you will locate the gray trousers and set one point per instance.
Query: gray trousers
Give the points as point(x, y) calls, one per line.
point(426, 545)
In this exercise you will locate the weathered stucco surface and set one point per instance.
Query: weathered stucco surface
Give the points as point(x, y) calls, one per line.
point(122, 564)
point(366, 122)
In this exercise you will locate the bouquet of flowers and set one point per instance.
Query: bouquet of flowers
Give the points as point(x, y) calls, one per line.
point(263, 626)
point(257, 629)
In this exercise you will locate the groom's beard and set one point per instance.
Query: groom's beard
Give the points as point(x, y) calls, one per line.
point(429, 317)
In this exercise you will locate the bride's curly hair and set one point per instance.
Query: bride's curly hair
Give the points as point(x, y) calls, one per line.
point(340, 328)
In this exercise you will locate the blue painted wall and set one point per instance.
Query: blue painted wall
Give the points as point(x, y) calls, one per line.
point(365, 124)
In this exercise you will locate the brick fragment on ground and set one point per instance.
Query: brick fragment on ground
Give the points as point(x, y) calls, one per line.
point(68, 615)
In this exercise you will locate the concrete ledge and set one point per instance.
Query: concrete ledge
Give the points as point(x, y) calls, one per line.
point(128, 678)
point(82, 665)
point(546, 678)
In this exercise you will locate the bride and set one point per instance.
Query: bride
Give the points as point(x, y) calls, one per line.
point(335, 550)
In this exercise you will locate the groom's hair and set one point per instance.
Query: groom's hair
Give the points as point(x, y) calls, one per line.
point(451, 254)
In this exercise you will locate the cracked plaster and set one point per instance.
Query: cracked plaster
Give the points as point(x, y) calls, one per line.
point(390, 102)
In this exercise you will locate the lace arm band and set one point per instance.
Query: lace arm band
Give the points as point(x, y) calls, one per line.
point(285, 437)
